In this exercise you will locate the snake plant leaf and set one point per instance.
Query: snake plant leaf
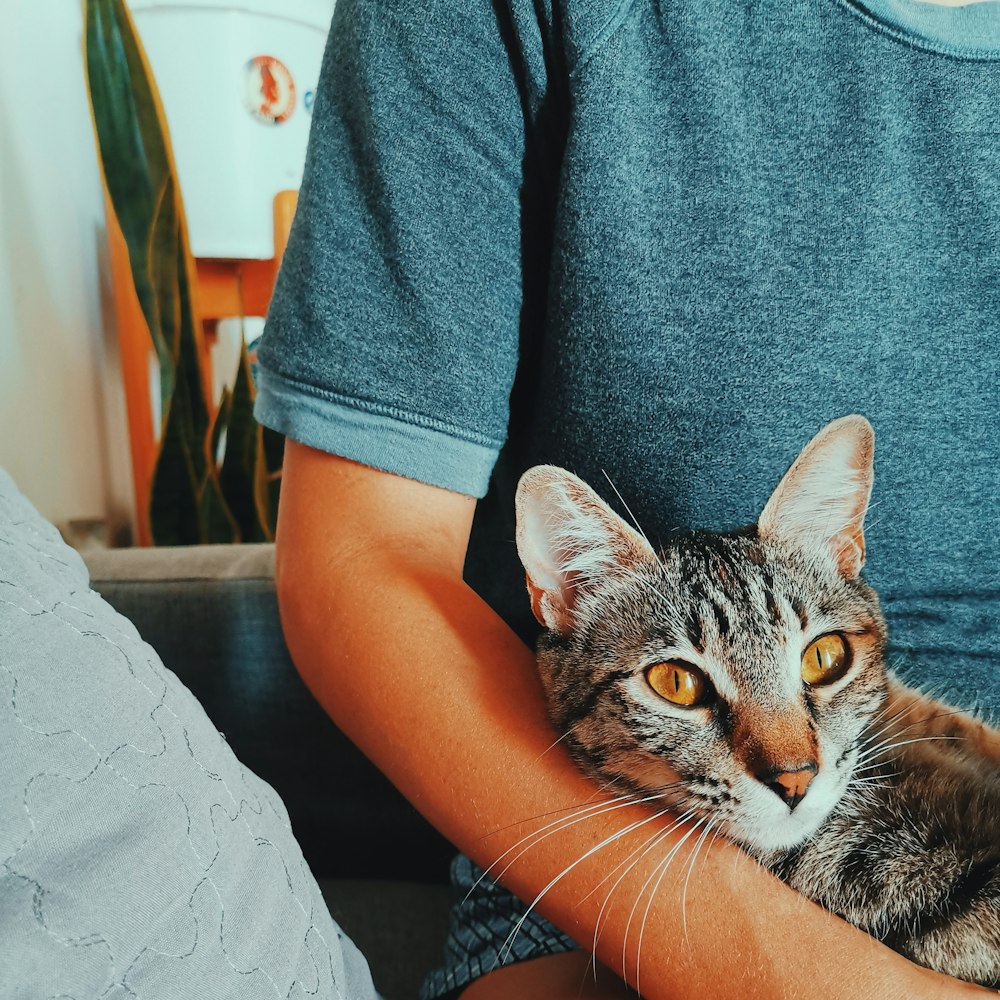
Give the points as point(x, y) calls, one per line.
point(221, 423)
point(273, 445)
point(163, 267)
point(133, 158)
point(174, 508)
point(171, 270)
point(243, 473)
point(187, 504)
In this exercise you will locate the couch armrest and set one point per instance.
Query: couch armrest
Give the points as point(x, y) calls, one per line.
point(211, 614)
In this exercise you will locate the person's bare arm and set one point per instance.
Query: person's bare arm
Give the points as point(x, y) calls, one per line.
point(443, 697)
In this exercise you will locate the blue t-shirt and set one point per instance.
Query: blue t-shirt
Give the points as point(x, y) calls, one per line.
point(668, 241)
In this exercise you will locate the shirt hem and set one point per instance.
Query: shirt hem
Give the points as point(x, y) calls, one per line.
point(354, 430)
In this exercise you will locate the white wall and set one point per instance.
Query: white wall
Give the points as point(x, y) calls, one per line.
point(62, 420)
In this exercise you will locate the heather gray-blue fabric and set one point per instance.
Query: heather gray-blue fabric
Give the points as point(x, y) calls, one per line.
point(668, 241)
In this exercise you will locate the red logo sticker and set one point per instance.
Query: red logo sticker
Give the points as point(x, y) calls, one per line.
point(269, 90)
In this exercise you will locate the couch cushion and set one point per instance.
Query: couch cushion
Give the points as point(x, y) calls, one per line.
point(138, 857)
point(192, 563)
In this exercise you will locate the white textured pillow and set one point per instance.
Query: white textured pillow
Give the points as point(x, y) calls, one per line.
point(138, 857)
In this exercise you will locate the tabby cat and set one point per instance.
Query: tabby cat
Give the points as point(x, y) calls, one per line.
point(741, 679)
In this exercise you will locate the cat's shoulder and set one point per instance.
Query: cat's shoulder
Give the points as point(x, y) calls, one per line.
point(916, 715)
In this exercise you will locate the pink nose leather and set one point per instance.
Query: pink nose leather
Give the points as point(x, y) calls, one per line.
point(792, 785)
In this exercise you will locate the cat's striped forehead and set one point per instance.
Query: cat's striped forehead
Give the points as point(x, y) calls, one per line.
point(731, 588)
point(732, 605)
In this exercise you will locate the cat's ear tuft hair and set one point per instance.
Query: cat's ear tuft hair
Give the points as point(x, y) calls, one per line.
point(568, 538)
point(820, 504)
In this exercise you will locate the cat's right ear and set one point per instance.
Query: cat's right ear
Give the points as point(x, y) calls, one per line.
point(819, 506)
point(568, 538)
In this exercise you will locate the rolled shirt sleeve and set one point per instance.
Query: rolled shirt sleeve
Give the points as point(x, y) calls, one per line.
point(392, 337)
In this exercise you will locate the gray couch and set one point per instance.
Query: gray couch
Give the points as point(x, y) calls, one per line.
point(211, 614)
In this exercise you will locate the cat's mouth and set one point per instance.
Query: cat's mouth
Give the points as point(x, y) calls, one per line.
point(764, 823)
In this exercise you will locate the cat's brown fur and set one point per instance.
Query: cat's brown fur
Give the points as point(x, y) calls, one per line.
point(867, 796)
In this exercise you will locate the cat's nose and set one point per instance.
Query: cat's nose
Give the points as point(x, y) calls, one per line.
point(791, 785)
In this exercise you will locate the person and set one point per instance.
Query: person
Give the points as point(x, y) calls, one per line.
point(666, 241)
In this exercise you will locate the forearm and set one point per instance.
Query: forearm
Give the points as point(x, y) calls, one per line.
point(444, 698)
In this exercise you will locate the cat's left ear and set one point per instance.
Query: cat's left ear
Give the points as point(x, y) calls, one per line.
point(568, 539)
point(819, 506)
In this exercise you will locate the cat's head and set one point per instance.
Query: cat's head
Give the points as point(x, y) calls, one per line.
point(736, 672)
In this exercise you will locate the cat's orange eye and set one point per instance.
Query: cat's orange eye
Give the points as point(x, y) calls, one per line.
point(826, 659)
point(678, 683)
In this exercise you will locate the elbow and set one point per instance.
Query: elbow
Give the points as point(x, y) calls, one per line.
point(285, 578)
point(348, 537)
point(305, 605)
point(317, 589)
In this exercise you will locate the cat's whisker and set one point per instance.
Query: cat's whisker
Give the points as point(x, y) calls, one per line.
point(562, 809)
point(888, 706)
point(859, 775)
point(879, 766)
point(560, 826)
point(554, 744)
point(884, 728)
point(662, 868)
point(868, 783)
point(592, 804)
point(694, 857)
point(872, 523)
point(891, 741)
point(554, 826)
point(629, 864)
point(635, 825)
point(889, 745)
point(628, 510)
point(870, 731)
point(924, 720)
point(875, 504)
point(652, 843)
point(622, 864)
point(888, 724)
point(674, 824)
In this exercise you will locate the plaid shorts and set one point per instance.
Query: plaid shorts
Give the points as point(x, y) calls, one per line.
point(481, 937)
